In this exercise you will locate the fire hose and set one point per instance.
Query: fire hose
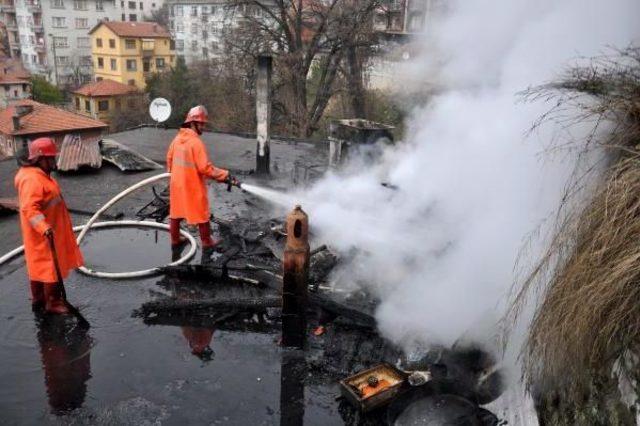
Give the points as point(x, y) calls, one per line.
point(92, 224)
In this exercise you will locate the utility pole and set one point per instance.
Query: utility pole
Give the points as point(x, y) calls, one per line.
point(55, 57)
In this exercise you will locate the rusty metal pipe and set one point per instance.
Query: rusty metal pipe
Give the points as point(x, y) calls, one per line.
point(295, 281)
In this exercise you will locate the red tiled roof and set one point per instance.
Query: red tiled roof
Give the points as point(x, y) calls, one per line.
point(106, 88)
point(44, 119)
point(134, 29)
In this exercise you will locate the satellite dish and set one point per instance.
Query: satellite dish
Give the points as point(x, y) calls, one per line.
point(160, 109)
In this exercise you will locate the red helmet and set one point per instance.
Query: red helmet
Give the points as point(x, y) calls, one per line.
point(42, 147)
point(198, 113)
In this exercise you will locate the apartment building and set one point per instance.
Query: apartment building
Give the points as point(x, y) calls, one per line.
point(136, 10)
point(67, 24)
point(129, 52)
point(197, 27)
point(25, 33)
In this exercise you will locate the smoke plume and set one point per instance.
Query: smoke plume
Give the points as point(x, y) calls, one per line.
point(440, 250)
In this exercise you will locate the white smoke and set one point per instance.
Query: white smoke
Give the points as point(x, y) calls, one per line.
point(440, 250)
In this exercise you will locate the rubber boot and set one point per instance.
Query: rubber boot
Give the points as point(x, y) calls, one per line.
point(55, 304)
point(37, 295)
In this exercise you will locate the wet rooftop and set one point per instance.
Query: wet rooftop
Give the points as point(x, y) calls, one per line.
point(217, 366)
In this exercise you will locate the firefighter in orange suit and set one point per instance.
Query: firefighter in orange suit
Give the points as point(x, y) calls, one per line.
point(44, 215)
point(189, 165)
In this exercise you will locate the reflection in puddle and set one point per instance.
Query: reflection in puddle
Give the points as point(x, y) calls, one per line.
point(65, 350)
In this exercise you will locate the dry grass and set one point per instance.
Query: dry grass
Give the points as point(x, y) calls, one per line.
point(587, 285)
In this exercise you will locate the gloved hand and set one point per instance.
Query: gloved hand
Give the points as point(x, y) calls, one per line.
point(232, 181)
point(49, 233)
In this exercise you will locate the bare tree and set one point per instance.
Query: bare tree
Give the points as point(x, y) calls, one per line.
point(159, 16)
point(305, 37)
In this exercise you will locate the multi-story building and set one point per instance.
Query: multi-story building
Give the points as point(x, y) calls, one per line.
point(137, 10)
point(129, 52)
point(199, 27)
point(26, 34)
point(67, 24)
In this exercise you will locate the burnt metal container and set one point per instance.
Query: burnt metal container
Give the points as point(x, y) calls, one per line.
point(350, 387)
point(344, 135)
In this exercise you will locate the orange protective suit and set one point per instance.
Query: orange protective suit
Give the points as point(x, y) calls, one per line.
point(189, 165)
point(41, 208)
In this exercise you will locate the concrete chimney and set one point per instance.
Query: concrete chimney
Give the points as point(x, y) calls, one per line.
point(16, 122)
point(263, 114)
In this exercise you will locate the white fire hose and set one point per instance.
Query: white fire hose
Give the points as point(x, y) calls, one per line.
point(92, 224)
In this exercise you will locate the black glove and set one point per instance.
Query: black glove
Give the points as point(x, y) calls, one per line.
point(232, 181)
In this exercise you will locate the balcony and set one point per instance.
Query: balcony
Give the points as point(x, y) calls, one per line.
point(148, 46)
point(8, 8)
point(40, 48)
point(33, 6)
point(38, 28)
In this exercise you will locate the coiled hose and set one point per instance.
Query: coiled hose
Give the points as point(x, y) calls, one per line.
point(92, 224)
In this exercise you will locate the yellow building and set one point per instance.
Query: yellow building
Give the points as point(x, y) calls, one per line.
point(128, 52)
point(105, 98)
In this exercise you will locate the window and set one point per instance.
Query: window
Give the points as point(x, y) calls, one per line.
point(194, 45)
point(87, 105)
point(124, 17)
point(179, 11)
point(194, 28)
point(131, 103)
point(63, 61)
point(60, 42)
point(205, 10)
point(205, 52)
point(98, 42)
point(118, 103)
point(85, 61)
point(146, 66)
point(77, 103)
point(98, 78)
point(130, 43)
point(179, 27)
point(58, 22)
point(122, 4)
point(194, 10)
point(112, 43)
point(131, 82)
point(140, 5)
point(153, 5)
point(180, 45)
point(103, 105)
point(172, 25)
point(57, 4)
point(159, 63)
point(172, 44)
point(99, 6)
point(83, 42)
point(132, 65)
point(133, 17)
point(82, 23)
point(132, 5)
point(100, 62)
point(80, 4)
point(204, 35)
point(114, 64)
